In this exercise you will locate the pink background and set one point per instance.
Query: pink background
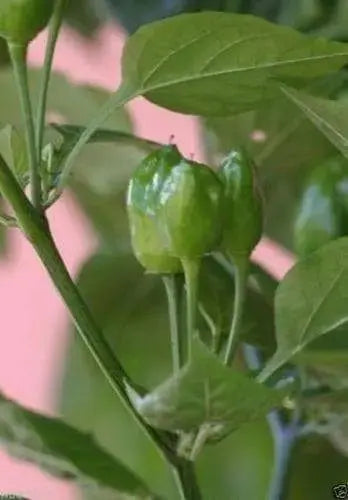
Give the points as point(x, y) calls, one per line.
point(32, 315)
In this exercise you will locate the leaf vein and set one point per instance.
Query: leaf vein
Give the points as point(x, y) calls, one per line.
point(318, 306)
point(230, 46)
point(317, 117)
point(172, 53)
point(187, 79)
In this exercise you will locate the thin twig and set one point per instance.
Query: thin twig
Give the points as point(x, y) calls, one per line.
point(56, 22)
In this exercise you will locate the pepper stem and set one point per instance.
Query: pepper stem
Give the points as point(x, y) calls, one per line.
point(173, 288)
point(56, 22)
point(191, 271)
point(241, 265)
point(18, 54)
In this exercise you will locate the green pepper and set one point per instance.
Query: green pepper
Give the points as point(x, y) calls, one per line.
point(190, 210)
point(143, 203)
point(319, 216)
point(242, 207)
point(22, 20)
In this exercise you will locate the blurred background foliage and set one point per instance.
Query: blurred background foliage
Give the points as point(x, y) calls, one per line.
point(129, 305)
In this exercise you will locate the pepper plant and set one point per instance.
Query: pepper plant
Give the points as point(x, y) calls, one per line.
point(243, 348)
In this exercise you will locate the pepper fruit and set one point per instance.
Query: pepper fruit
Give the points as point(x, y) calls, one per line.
point(143, 204)
point(22, 20)
point(190, 210)
point(319, 217)
point(242, 206)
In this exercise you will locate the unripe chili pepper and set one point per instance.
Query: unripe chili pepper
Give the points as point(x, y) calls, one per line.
point(319, 217)
point(22, 20)
point(242, 206)
point(143, 204)
point(190, 207)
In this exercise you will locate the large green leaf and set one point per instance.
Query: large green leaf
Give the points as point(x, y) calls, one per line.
point(311, 301)
point(214, 63)
point(65, 452)
point(329, 116)
point(206, 392)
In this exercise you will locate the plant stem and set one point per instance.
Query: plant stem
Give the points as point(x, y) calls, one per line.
point(200, 440)
point(18, 54)
point(56, 22)
point(215, 334)
point(240, 284)
point(284, 438)
point(172, 288)
point(185, 478)
point(35, 227)
point(191, 271)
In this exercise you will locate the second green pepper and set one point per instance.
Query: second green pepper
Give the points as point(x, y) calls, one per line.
point(190, 208)
point(242, 207)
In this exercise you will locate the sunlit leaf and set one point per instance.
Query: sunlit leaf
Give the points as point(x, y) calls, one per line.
point(214, 63)
point(206, 392)
point(311, 301)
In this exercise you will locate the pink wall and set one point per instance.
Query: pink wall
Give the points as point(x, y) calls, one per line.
point(33, 316)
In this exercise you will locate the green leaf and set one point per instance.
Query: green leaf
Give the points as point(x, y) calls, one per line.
point(70, 132)
point(330, 117)
point(214, 63)
point(65, 452)
point(13, 150)
point(206, 392)
point(311, 301)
